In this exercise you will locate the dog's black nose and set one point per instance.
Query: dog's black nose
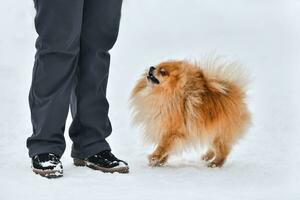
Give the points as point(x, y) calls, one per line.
point(152, 69)
point(151, 76)
point(150, 73)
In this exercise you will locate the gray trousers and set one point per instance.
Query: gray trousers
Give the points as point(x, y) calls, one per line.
point(71, 68)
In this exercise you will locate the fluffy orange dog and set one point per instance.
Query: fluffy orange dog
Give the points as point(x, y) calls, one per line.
point(181, 104)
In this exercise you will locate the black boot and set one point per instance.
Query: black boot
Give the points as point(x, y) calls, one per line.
point(104, 161)
point(47, 165)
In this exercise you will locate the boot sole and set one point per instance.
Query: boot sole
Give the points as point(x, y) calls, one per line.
point(84, 163)
point(48, 173)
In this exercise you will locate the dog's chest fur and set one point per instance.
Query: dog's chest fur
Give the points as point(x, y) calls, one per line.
point(153, 112)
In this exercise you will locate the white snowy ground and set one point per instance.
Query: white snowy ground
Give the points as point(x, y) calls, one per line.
point(262, 34)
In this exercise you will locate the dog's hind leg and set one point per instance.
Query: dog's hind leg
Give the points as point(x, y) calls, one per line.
point(221, 150)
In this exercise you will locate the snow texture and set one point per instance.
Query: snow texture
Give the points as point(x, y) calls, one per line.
point(262, 35)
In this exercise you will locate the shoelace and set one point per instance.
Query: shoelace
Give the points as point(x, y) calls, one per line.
point(108, 155)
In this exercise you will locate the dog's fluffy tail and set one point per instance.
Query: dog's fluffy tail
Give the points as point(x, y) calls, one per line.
point(220, 69)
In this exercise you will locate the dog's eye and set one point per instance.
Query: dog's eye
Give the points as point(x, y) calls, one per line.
point(163, 72)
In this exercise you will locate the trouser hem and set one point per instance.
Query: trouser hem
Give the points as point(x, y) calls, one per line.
point(90, 150)
point(33, 151)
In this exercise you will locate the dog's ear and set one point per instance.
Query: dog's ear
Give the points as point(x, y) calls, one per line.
point(193, 89)
point(195, 83)
point(199, 83)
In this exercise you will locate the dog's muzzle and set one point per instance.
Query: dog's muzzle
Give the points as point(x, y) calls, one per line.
point(151, 76)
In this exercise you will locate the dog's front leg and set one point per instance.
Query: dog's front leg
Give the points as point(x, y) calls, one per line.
point(166, 145)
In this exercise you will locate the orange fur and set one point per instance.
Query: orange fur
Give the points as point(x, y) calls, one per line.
point(191, 105)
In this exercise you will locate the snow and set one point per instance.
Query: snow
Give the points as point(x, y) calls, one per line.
point(47, 164)
point(263, 35)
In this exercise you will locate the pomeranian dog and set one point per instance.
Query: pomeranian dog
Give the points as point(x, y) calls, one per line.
point(181, 104)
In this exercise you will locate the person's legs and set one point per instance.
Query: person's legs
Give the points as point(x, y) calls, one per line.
point(58, 23)
point(89, 105)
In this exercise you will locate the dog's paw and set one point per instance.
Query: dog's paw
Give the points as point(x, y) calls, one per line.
point(156, 161)
point(211, 165)
point(214, 164)
point(208, 156)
